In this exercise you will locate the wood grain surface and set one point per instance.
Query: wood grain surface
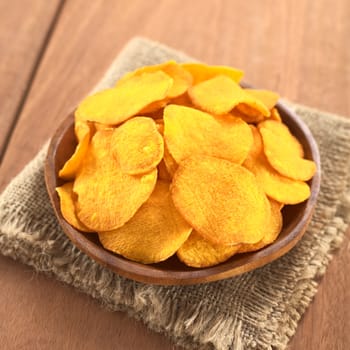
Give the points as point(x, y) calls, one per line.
point(22, 40)
point(299, 48)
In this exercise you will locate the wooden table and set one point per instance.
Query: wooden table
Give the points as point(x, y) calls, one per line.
point(53, 52)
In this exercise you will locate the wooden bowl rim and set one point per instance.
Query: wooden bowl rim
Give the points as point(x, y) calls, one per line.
point(156, 275)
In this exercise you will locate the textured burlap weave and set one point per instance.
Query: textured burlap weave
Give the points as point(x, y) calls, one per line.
point(258, 310)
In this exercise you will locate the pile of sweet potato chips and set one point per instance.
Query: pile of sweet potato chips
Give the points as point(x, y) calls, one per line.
point(180, 159)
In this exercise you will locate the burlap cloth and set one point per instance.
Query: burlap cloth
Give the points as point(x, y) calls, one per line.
point(257, 310)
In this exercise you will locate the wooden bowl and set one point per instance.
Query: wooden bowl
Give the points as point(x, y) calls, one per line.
point(173, 272)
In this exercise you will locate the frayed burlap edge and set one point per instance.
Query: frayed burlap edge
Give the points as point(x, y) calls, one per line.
point(48, 250)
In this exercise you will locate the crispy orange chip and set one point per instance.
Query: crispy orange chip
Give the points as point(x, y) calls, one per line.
point(108, 197)
point(169, 161)
point(201, 72)
point(113, 106)
point(268, 98)
point(188, 132)
point(73, 164)
point(156, 115)
point(221, 94)
point(182, 78)
point(282, 150)
point(137, 145)
point(67, 206)
point(272, 229)
point(155, 232)
point(248, 114)
point(99, 126)
point(274, 226)
point(81, 128)
point(220, 199)
point(154, 107)
point(199, 252)
point(160, 125)
point(275, 185)
point(275, 115)
point(282, 130)
point(183, 100)
point(163, 173)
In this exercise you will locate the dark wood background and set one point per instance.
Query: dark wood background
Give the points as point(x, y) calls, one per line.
point(52, 54)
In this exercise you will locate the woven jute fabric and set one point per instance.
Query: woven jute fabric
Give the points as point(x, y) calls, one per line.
point(257, 310)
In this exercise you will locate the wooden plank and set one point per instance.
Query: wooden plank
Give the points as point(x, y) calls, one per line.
point(326, 323)
point(295, 48)
point(45, 314)
point(23, 29)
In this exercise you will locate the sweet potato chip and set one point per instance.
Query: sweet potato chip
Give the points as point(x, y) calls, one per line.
point(154, 233)
point(137, 145)
point(156, 115)
point(163, 173)
point(113, 106)
point(279, 187)
point(160, 125)
point(282, 150)
point(221, 200)
point(73, 164)
point(272, 229)
point(99, 126)
point(275, 115)
point(275, 185)
point(81, 128)
point(108, 197)
point(182, 78)
point(199, 252)
point(154, 107)
point(221, 94)
point(183, 100)
point(282, 130)
point(268, 98)
point(201, 72)
point(65, 192)
point(274, 226)
point(169, 161)
point(257, 147)
point(188, 132)
point(248, 114)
